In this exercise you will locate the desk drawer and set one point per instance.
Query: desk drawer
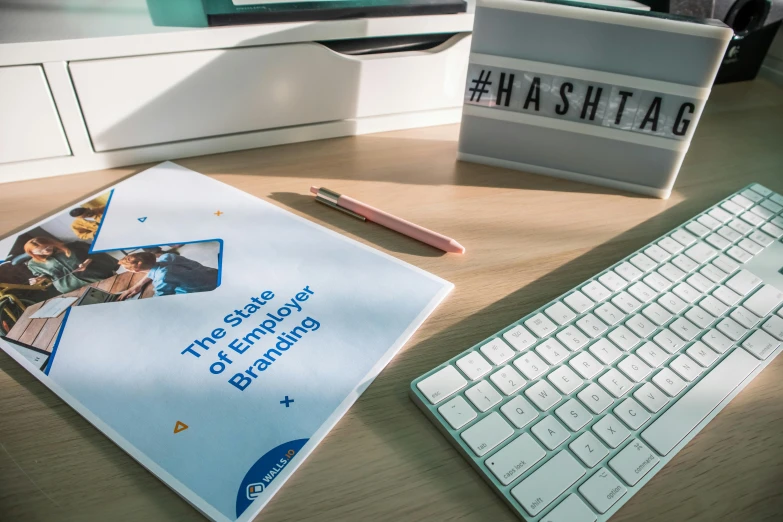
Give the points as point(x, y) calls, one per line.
point(129, 102)
point(29, 124)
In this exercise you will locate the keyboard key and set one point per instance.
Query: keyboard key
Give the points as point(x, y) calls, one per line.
point(708, 221)
point(497, 351)
point(585, 364)
point(624, 338)
point(657, 282)
point(750, 246)
point(774, 327)
point(751, 195)
point(671, 272)
point(700, 353)
point(761, 189)
point(701, 252)
point(595, 398)
point(668, 381)
point(626, 302)
point(726, 264)
point(605, 351)
point(596, 291)
point(560, 313)
point(530, 365)
point(508, 380)
point(777, 198)
point(656, 253)
point(670, 245)
point(713, 273)
point(515, 459)
point(602, 490)
point(519, 411)
point(657, 314)
point(772, 206)
point(761, 344)
point(574, 415)
point(615, 383)
point(612, 281)
point(565, 380)
point(678, 421)
point(700, 284)
point(642, 292)
point(642, 262)
point(684, 328)
point(483, 396)
point(441, 384)
point(744, 317)
point(578, 302)
point(640, 325)
point(740, 226)
point(652, 398)
point(739, 254)
point(761, 238)
point(473, 365)
point(743, 201)
point(732, 207)
point(589, 449)
point(550, 432)
point(548, 482)
point(717, 341)
point(552, 351)
point(572, 509)
point(687, 292)
point(543, 395)
point(699, 317)
point(728, 297)
point(634, 462)
point(717, 241)
point(667, 340)
point(628, 272)
point(685, 368)
point(697, 228)
point(573, 338)
point(672, 303)
point(540, 325)
point(713, 306)
point(720, 214)
point(752, 218)
point(730, 234)
point(487, 433)
point(591, 325)
point(683, 237)
point(766, 299)
point(609, 314)
point(631, 413)
point(731, 329)
point(634, 368)
point(685, 263)
point(773, 230)
point(652, 354)
point(519, 338)
point(762, 212)
point(457, 412)
point(611, 431)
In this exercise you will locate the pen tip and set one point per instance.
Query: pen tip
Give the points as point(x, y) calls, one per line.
point(456, 247)
point(314, 189)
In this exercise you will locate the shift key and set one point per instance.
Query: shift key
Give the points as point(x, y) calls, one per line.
point(548, 482)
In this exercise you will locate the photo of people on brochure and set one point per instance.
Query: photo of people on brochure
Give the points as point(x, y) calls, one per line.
point(51, 268)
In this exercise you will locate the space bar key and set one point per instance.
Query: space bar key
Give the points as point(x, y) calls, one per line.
point(678, 421)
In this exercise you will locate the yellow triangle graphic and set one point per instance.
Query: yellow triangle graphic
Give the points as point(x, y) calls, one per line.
point(180, 426)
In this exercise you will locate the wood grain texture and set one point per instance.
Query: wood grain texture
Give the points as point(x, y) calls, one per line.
point(528, 238)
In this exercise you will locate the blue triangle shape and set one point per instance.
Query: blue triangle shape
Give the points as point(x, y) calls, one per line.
point(143, 219)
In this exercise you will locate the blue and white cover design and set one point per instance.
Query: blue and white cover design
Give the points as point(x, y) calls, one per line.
point(213, 336)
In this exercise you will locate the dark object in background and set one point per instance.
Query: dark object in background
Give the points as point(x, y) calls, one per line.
point(755, 23)
point(224, 12)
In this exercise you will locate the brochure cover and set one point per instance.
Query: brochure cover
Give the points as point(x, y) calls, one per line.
point(213, 336)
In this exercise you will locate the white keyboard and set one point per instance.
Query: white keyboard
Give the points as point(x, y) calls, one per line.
point(571, 410)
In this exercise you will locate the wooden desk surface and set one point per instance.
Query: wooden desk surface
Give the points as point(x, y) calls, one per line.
point(528, 238)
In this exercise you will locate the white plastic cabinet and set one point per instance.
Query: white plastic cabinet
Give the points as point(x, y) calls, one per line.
point(146, 100)
point(29, 125)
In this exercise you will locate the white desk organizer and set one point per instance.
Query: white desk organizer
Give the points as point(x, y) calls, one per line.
point(596, 94)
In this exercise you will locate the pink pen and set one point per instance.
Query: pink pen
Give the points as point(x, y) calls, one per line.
point(362, 211)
